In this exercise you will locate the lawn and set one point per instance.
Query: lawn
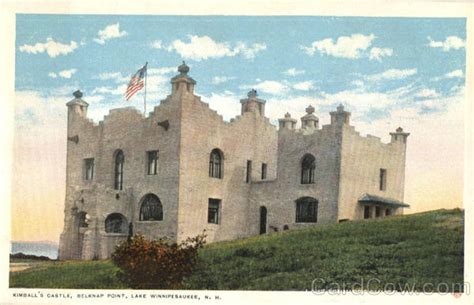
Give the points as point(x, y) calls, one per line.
point(400, 252)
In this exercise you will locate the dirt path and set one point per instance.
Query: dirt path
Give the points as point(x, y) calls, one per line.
point(15, 267)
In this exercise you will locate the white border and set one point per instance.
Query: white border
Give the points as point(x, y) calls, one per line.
point(8, 9)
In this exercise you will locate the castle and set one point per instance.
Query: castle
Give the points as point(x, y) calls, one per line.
point(183, 169)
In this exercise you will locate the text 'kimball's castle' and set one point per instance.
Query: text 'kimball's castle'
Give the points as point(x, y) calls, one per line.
point(184, 169)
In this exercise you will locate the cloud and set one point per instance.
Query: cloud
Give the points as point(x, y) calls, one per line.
point(51, 47)
point(392, 74)
point(268, 86)
point(157, 44)
point(226, 104)
point(115, 76)
point(378, 53)
point(63, 74)
point(303, 86)
point(293, 72)
point(162, 70)
point(119, 90)
point(216, 80)
point(109, 32)
point(344, 47)
point(67, 73)
point(427, 93)
point(454, 74)
point(451, 42)
point(204, 47)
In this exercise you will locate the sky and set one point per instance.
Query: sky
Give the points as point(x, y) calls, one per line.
point(388, 72)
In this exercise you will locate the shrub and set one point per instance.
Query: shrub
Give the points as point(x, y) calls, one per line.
point(156, 264)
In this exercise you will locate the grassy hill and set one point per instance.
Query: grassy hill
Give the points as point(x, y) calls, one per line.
point(406, 251)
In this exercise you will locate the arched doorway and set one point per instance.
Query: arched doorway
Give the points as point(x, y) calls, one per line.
point(263, 220)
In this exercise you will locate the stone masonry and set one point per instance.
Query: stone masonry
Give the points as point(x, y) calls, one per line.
point(183, 169)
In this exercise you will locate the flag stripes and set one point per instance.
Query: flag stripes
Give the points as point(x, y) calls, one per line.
point(136, 83)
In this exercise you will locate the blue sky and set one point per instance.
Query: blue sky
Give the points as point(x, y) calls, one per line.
point(388, 72)
point(282, 57)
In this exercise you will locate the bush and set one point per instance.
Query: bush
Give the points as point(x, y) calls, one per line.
point(156, 264)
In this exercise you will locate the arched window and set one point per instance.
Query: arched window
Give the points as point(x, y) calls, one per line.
point(216, 164)
point(151, 208)
point(308, 165)
point(306, 209)
point(116, 223)
point(119, 160)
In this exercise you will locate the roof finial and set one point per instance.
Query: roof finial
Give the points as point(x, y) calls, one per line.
point(309, 109)
point(183, 68)
point(77, 94)
point(252, 93)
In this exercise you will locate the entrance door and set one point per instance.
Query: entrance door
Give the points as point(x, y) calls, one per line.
point(263, 220)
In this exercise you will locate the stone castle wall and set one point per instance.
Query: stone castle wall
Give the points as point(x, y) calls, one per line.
point(347, 166)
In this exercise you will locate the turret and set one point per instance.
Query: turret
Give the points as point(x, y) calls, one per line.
point(77, 107)
point(182, 82)
point(309, 121)
point(253, 104)
point(399, 136)
point(287, 122)
point(340, 116)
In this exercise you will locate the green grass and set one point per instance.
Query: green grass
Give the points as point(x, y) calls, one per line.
point(407, 251)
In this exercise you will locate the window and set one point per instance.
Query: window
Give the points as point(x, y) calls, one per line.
point(383, 179)
point(116, 223)
point(152, 162)
point(119, 160)
point(151, 208)
point(378, 212)
point(366, 212)
point(215, 164)
point(213, 211)
point(306, 209)
point(308, 166)
point(388, 212)
point(248, 176)
point(89, 169)
point(264, 171)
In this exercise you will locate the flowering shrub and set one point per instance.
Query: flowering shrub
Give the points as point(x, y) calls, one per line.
point(156, 264)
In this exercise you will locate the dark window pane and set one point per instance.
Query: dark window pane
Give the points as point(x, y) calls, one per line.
point(383, 179)
point(308, 166)
point(366, 212)
point(119, 160)
point(116, 223)
point(215, 164)
point(151, 208)
point(89, 169)
point(213, 211)
point(306, 210)
point(152, 162)
point(264, 171)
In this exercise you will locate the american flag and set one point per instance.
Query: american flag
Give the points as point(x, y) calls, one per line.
point(136, 82)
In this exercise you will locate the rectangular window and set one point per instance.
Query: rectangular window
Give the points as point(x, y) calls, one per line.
point(388, 212)
point(366, 212)
point(306, 210)
point(89, 169)
point(152, 162)
point(383, 179)
point(378, 212)
point(213, 211)
point(248, 177)
point(264, 171)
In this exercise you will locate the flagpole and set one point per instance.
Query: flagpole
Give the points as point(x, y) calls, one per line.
point(144, 97)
